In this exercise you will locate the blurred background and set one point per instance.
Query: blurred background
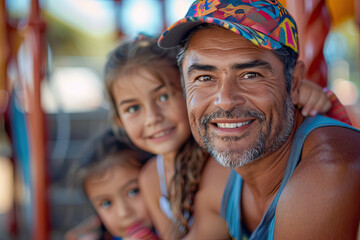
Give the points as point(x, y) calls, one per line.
point(52, 96)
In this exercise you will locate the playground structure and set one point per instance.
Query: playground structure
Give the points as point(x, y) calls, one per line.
point(25, 128)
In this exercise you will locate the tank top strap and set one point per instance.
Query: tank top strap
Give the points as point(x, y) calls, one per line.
point(161, 174)
point(267, 225)
point(230, 209)
point(310, 124)
point(164, 199)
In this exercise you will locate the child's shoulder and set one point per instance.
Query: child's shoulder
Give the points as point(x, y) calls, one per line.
point(149, 183)
point(148, 172)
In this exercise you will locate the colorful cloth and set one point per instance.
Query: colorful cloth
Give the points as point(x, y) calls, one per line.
point(337, 110)
point(266, 23)
point(138, 231)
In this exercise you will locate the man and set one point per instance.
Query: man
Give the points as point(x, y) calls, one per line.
point(296, 177)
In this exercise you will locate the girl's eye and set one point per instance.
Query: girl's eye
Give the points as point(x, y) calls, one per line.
point(251, 75)
point(164, 97)
point(204, 78)
point(133, 192)
point(105, 204)
point(133, 109)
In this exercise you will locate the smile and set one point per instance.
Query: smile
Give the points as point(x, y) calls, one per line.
point(232, 125)
point(160, 134)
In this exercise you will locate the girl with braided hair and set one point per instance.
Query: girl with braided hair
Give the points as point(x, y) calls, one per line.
point(182, 195)
point(143, 84)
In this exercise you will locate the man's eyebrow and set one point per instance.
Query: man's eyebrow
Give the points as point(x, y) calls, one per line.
point(237, 66)
point(133, 100)
point(199, 67)
point(252, 64)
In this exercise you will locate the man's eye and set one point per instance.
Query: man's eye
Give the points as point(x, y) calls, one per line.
point(164, 97)
point(133, 192)
point(204, 78)
point(252, 75)
point(105, 204)
point(133, 109)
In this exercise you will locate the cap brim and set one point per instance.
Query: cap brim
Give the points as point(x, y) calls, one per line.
point(173, 36)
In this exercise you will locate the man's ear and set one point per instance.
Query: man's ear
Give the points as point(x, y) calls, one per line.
point(297, 77)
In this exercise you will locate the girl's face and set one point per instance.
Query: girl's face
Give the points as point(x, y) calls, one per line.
point(154, 117)
point(116, 198)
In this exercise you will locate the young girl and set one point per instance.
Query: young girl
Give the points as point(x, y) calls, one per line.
point(108, 174)
point(145, 92)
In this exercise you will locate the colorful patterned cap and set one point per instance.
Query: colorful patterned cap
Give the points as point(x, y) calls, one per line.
point(266, 23)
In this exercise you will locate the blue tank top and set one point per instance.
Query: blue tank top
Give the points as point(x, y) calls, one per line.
point(230, 208)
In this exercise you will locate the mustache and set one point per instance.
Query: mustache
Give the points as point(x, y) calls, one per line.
point(235, 112)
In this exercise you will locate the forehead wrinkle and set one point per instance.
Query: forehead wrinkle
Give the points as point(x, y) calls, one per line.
point(201, 54)
point(208, 40)
point(253, 64)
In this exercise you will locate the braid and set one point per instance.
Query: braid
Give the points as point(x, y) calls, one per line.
point(189, 164)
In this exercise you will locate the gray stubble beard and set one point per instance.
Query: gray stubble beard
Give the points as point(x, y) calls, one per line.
point(239, 158)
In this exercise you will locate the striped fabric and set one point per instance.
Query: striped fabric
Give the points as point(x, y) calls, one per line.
point(138, 231)
point(337, 110)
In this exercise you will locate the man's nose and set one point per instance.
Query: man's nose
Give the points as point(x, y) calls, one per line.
point(229, 94)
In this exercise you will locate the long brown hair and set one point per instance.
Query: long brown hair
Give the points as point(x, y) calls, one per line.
point(189, 165)
point(103, 152)
point(190, 159)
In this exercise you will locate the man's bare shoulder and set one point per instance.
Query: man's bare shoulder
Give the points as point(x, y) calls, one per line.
point(332, 144)
point(321, 199)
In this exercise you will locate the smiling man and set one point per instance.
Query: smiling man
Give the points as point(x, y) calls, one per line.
point(293, 177)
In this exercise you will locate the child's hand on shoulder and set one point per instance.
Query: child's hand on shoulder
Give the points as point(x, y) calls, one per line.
point(312, 99)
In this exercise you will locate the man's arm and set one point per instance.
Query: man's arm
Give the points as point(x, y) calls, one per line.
point(322, 198)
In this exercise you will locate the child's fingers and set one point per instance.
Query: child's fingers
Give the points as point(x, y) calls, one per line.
point(310, 103)
point(303, 97)
point(322, 106)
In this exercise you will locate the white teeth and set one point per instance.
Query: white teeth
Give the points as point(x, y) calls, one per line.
point(160, 134)
point(232, 125)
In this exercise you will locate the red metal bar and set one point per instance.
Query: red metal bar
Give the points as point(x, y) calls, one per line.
point(357, 18)
point(313, 20)
point(119, 32)
point(4, 95)
point(36, 123)
point(4, 56)
point(163, 13)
